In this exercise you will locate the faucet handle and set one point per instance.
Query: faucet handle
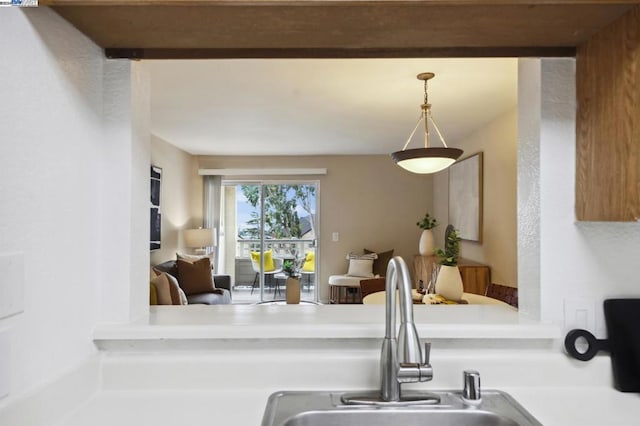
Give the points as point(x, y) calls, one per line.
point(427, 352)
point(471, 393)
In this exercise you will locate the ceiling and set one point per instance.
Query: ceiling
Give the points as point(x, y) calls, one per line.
point(321, 106)
point(234, 106)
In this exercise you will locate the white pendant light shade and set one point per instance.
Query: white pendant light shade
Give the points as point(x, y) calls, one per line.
point(426, 160)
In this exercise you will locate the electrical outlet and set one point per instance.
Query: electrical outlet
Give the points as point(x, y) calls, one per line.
point(579, 313)
point(335, 237)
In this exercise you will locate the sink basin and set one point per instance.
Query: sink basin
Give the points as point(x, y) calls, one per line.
point(326, 409)
point(405, 417)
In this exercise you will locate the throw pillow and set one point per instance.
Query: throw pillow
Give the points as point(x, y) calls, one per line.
point(195, 277)
point(361, 265)
point(153, 294)
point(371, 256)
point(309, 264)
point(174, 288)
point(380, 264)
point(162, 289)
point(269, 265)
point(360, 268)
point(189, 257)
point(177, 294)
point(183, 297)
point(170, 267)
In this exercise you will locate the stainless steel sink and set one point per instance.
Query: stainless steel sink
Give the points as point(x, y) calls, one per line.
point(327, 409)
point(401, 361)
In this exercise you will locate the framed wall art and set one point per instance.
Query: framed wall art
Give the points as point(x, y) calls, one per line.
point(465, 197)
point(155, 236)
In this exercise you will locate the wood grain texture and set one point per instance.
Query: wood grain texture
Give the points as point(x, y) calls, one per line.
point(475, 277)
point(608, 123)
point(322, 53)
point(294, 2)
point(385, 25)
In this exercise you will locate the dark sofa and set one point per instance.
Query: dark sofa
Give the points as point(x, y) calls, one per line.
point(222, 295)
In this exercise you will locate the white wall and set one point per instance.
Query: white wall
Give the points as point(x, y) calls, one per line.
point(179, 171)
point(124, 252)
point(67, 199)
point(529, 119)
point(498, 142)
point(367, 199)
point(582, 263)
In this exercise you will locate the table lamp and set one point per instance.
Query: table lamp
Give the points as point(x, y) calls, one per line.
point(199, 239)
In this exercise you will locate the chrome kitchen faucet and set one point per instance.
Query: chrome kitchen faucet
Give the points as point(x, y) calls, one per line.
point(401, 360)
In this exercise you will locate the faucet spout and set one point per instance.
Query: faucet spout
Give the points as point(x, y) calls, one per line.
point(401, 359)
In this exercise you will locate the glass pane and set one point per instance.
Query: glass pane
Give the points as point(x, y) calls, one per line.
point(289, 236)
point(247, 288)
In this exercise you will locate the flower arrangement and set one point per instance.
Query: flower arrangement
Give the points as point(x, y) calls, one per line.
point(449, 256)
point(427, 222)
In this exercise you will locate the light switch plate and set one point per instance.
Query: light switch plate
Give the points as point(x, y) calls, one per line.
point(335, 237)
point(11, 284)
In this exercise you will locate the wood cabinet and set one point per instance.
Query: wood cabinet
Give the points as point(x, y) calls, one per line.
point(607, 125)
point(475, 276)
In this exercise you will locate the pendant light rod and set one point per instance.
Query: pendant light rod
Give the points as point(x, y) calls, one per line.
point(426, 107)
point(413, 132)
point(425, 114)
point(435, 126)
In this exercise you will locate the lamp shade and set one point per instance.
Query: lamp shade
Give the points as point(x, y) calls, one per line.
point(426, 160)
point(199, 238)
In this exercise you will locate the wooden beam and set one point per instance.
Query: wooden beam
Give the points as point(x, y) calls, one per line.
point(455, 52)
point(319, 2)
point(391, 26)
point(608, 123)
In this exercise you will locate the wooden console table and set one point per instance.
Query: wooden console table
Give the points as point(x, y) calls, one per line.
point(475, 276)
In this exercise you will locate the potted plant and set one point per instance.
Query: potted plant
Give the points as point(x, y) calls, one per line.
point(449, 282)
point(426, 245)
point(291, 269)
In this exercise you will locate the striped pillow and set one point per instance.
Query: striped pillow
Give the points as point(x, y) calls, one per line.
point(367, 256)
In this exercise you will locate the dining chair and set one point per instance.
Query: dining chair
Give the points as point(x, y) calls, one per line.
point(502, 292)
point(371, 285)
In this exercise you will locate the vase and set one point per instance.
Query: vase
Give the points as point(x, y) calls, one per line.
point(426, 245)
point(449, 283)
point(293, 290)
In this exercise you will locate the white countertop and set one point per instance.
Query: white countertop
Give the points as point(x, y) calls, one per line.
point(323, 321)
point(231, 386)
point(230, 381)
point(251, 352)
point(551, 406)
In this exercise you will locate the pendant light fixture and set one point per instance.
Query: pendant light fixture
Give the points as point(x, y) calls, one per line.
point(426, 160)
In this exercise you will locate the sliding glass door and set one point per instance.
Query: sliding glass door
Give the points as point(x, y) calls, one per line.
point(272, 222)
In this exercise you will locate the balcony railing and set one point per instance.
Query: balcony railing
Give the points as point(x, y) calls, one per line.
point(281, 248)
